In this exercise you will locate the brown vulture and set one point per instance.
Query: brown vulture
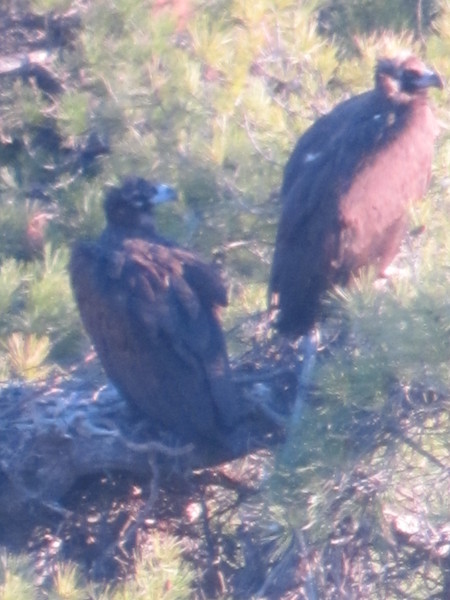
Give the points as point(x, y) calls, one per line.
point(151, 311)
point(347, 187)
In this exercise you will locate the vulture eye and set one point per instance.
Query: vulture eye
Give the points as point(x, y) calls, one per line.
point(140, 203)
point(409, 78)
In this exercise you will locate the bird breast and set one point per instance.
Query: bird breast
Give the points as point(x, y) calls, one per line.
point(370, 207)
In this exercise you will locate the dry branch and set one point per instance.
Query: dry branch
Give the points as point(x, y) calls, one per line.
point(51, 435)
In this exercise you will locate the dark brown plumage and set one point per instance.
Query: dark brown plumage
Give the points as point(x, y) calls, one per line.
point(151, 310)
point(346, 189)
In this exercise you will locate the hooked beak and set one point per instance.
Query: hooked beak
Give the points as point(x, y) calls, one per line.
point(164, 193)
point(429, 79)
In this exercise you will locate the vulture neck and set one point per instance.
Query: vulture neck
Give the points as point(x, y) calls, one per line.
point(403, 103)
point(419, 119)
point(141, 230)
point(404, 113)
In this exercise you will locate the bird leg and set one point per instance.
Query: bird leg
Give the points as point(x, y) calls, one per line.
point(307, 346)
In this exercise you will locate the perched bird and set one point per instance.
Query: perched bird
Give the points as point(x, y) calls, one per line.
point(151, 311)
point(347, 187)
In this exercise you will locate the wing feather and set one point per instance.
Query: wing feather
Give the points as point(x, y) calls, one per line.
point(155, 327)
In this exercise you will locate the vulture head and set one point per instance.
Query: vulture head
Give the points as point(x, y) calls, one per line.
point(130, 206)
point(401, 79)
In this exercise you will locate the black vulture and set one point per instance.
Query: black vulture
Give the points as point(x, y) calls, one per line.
point(151, 311)
point(347, 187)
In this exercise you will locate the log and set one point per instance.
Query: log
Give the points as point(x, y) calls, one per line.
point(54, 433)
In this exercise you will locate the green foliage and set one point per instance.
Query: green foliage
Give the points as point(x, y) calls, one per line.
point(39, 319)
point(26, 356)
point(346, 17)
point(11, 278)
point(67, 584)
point(158, 574)
point(73, 114)
point(16, 578)
point(161, 574)
point(49, 296)
point(43, 6)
